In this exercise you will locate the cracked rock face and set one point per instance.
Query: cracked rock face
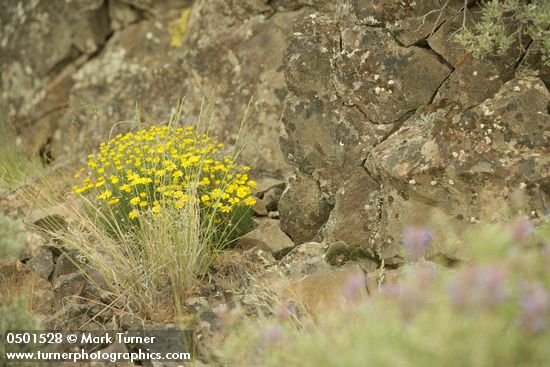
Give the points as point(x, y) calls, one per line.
point(38, 40)
point(99, 58)
point(383, 79)
point(410, 21)
point(233, 51)
point(470, 74)
point(432, 135)
point(321, 135)
point(467, 164)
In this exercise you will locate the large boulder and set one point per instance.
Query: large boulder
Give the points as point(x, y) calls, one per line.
point(349, 89)
point(73, 72)
point(386, 125)
point(382, 78)
point(322, 136)
point(303, 208)
point(39, 42)
point(467, 164)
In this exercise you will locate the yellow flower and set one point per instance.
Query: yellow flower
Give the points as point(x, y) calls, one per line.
point(168, 162)
point(225, 208)
point(216, 193)
point(105, 195)
point(243, 191)
point(249, 201)
point(125, 187)
point(80, 190)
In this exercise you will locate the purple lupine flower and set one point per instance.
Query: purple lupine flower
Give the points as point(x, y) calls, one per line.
point(479, 287)
point(354, 287)
point(272, 336)
point(416, 241)
point(521, 230)
point(535, 307)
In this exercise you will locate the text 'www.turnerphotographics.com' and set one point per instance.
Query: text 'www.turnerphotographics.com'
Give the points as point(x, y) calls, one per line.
point(101, 346)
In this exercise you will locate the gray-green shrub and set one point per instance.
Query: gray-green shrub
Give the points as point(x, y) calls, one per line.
point(504, 22)
point(12, 237)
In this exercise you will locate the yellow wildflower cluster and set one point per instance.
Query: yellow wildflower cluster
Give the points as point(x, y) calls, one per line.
point(157, 167)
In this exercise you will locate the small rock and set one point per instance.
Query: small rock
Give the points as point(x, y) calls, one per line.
point(78, 284)
point(367, 264)
point(338, 253)
point(51, 223)
point(42, 262)
point(269, 238)
point(195, 304)
point(65, 265)
point(128, 321)
point(260, 208)
point(274, 215)
point(307, 250)
point(271, 198)
point(262, 257)
point(263, 185)
point(70, 284)
point(33, 243)
point(306, 258)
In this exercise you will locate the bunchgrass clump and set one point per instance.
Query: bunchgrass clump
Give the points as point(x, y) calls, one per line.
point(156, 207)
point(493, 310)
point(15, 166)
